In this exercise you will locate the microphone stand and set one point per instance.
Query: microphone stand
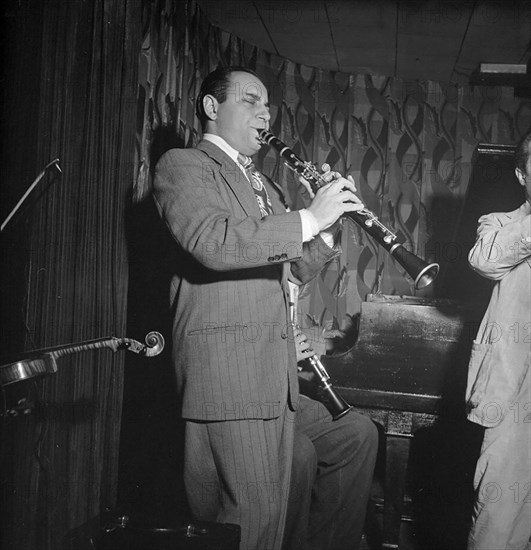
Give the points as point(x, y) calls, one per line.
point(29, 190)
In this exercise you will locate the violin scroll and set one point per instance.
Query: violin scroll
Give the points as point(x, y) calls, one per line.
point(153, 346)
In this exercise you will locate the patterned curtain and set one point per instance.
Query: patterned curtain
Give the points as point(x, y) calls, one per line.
point(408, 145)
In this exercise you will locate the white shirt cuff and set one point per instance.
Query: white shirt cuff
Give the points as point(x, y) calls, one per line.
point(310, 228)
point(328, 237)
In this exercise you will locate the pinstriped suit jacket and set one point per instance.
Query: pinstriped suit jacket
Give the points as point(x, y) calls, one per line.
point(233, 348)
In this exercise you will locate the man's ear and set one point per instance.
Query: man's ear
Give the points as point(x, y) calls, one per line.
point(520, 175)
point(210, 105)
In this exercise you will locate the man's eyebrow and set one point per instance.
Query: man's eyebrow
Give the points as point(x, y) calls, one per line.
point(254, 95)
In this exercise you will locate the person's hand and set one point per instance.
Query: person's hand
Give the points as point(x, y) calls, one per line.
point(327, 175)
point(306, 184)
point(302, 346)
point(334, 199)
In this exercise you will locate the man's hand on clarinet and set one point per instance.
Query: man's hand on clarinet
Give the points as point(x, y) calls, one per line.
point(302, 346)
point(333, 199)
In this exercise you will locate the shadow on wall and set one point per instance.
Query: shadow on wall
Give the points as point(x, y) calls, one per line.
point(150, 471)
point(492, 187)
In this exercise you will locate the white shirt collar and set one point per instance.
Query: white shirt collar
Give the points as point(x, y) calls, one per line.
point(223, 145)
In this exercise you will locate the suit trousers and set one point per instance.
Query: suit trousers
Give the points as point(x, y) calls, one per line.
point(332, 472)
point(300, 478)
point(502, 511)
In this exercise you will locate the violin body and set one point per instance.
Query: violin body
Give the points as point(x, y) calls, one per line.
point(26, 369)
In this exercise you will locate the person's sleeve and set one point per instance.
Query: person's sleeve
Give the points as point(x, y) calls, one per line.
point(186, 192)
point(500, 246)
point(316, 254)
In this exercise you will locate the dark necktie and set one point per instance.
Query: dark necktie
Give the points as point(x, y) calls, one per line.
point(257, 184)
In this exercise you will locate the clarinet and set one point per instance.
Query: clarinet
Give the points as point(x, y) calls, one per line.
point(420, 271)
point(335, 404)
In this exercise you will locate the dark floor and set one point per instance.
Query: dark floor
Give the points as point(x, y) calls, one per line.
point(407, 540)
point(419, 533)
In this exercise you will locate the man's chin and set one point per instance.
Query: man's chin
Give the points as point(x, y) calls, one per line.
point(252, 149)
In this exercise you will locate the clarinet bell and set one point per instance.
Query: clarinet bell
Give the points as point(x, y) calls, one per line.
point(422, 273)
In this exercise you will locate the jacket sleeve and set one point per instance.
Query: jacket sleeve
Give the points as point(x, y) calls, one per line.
point(500, 245)
point(316, 254)
point(209, 225)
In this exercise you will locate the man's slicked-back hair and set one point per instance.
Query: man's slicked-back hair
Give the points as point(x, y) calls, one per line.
point(216, 84)
point(521, 154)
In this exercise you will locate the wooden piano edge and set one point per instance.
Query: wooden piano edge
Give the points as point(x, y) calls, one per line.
point(381, 399)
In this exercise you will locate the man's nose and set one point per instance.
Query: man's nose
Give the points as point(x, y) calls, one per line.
point(264, 114)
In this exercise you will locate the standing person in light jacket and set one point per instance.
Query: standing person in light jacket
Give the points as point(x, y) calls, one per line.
point(499, 381)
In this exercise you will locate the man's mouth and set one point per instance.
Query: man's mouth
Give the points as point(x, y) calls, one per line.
point(257, 136)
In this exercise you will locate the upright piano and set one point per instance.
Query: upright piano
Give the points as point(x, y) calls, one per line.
point(406, 370)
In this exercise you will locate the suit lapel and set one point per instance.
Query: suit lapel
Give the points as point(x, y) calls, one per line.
point(233, 177)
point(240, 187)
